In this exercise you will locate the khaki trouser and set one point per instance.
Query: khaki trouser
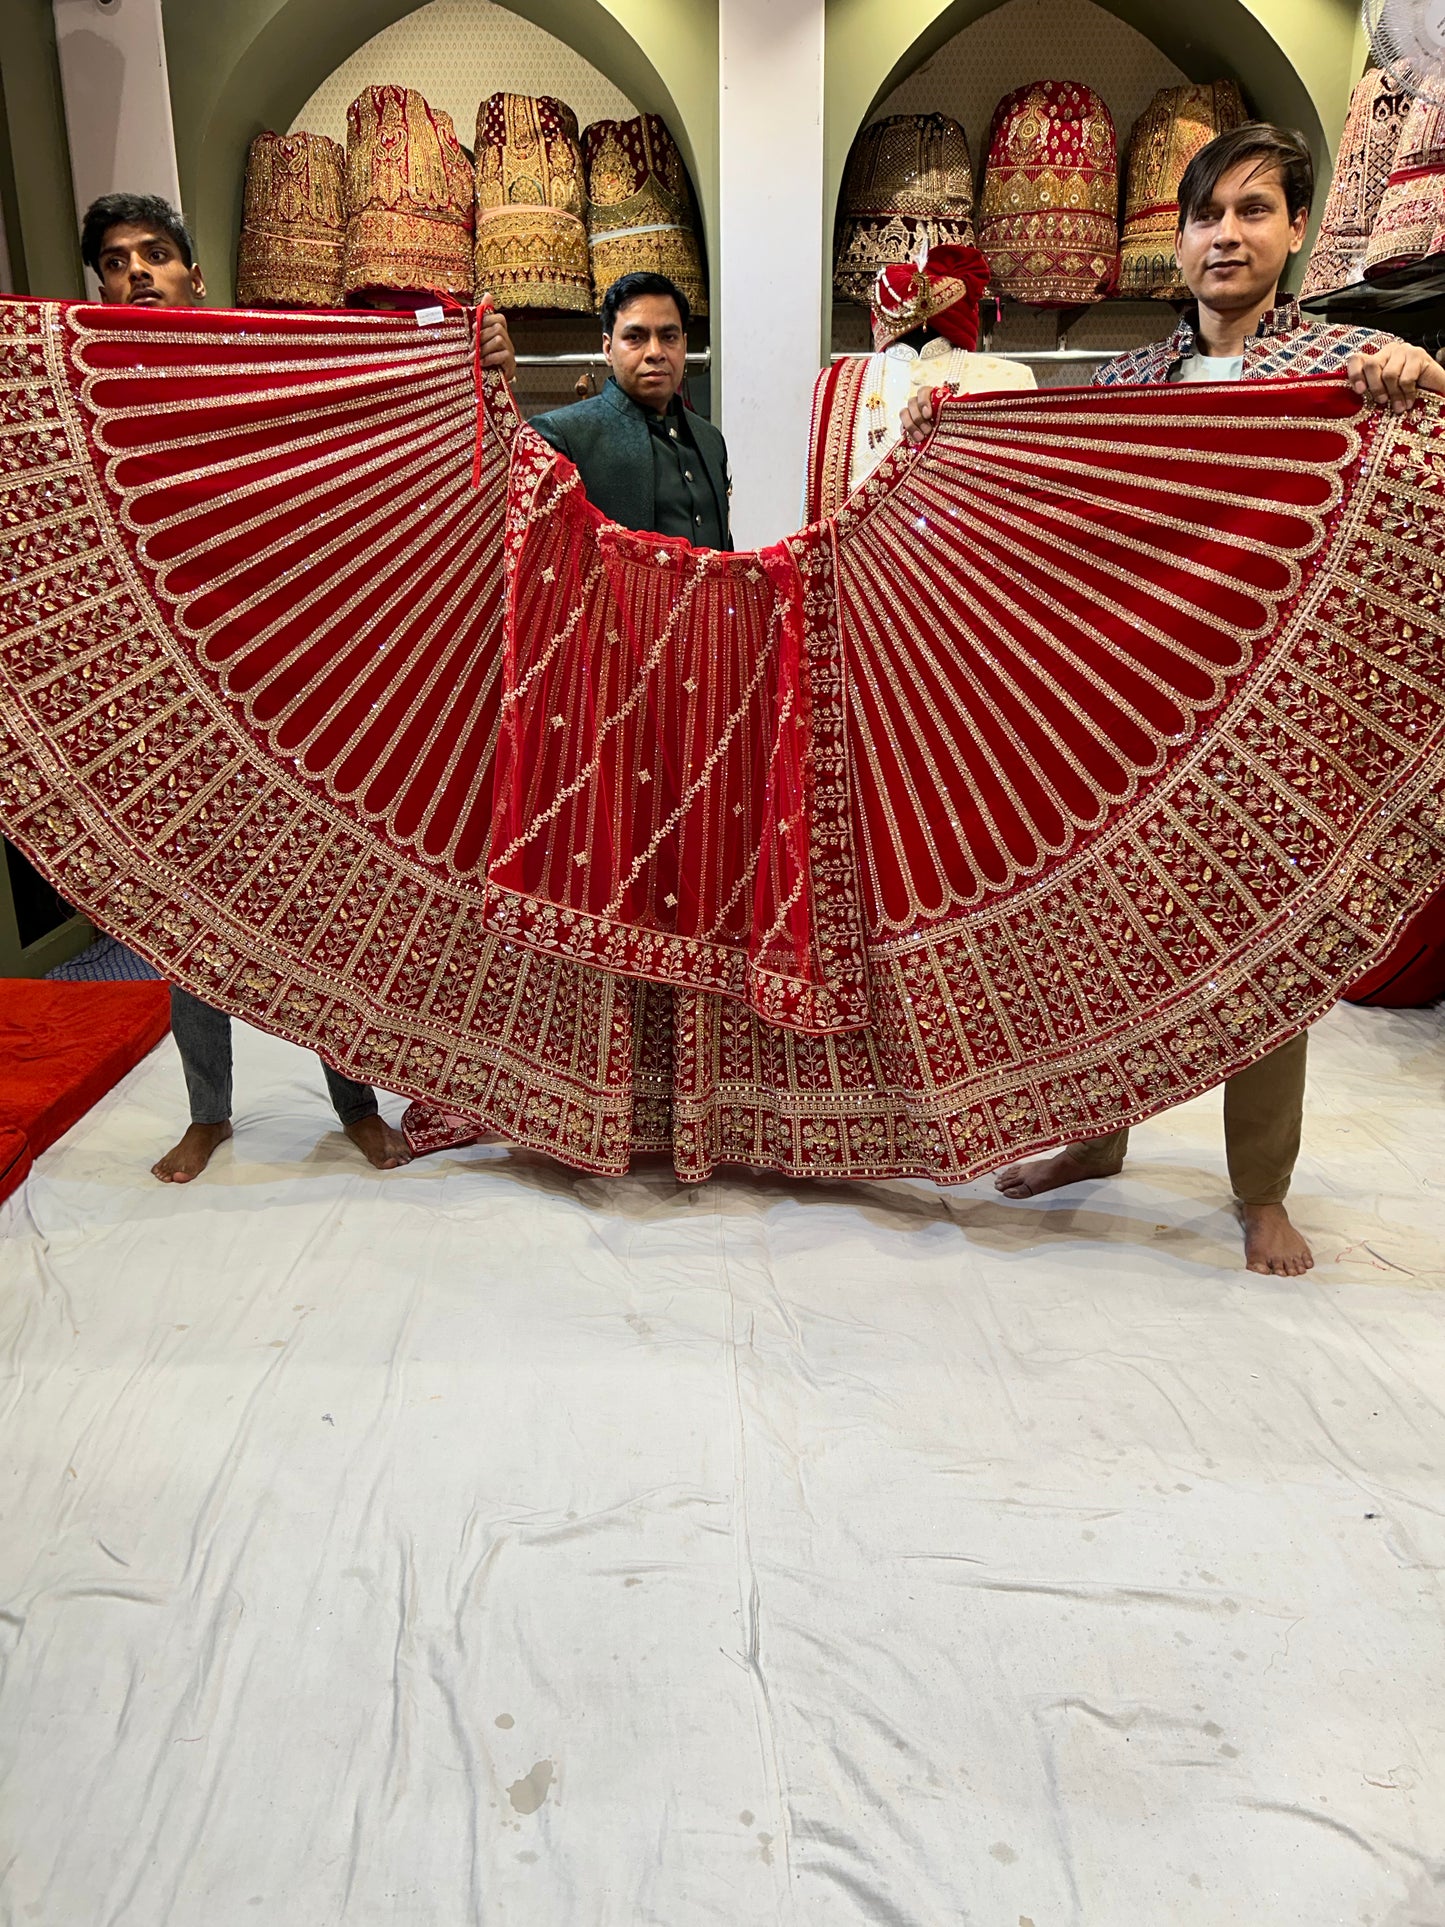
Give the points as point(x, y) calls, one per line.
point(1263, 1111)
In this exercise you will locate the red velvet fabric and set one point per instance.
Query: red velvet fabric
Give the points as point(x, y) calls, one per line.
point(1078, 761)
point(62, 1047)
point(688, 831)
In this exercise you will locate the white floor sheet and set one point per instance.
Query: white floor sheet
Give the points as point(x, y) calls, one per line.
point(486, 1543)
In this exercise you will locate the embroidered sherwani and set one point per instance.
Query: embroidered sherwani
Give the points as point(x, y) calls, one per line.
point(891, 380)
point(858, 403)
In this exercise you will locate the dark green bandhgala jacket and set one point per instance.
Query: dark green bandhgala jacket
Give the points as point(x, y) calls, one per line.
point(608, 438)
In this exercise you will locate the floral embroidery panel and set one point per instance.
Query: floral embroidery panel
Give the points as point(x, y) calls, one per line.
point(1080, 759)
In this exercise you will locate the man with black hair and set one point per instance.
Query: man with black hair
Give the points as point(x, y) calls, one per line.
point(645, 460)
point(140, 248)
point(1244, 204)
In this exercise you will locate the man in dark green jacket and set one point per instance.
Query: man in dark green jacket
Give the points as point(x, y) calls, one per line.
point(645, 460)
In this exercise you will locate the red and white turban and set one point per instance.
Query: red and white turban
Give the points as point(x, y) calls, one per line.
point(939, 288)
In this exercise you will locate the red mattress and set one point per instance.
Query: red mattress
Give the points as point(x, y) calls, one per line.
point(62, 1046)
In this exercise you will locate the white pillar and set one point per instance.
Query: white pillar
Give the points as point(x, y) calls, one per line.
point(770, 252)
point(117, 99)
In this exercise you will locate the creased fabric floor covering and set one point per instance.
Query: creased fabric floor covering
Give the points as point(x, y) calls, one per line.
point(487, 1542)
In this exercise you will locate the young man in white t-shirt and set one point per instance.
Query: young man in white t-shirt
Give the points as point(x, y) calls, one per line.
point(1244, 204)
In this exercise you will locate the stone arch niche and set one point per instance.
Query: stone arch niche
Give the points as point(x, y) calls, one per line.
point(1296, 63)
point(238, 67)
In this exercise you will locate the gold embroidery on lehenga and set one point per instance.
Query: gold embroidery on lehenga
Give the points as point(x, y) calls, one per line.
point(1210, 917)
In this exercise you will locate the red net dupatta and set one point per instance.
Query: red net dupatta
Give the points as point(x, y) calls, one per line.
point(671, 785)
point(831, 432)
point(1078, 760)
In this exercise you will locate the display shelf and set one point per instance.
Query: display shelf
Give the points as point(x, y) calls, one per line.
point(557, 352)
point(1052, 367)
point(1420, 285)
point(1109, 326)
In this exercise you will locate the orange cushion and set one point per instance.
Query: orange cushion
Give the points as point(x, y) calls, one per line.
point(62, 1047)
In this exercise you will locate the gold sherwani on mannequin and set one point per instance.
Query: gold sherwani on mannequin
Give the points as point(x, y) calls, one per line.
point(858, 402)
point(894, 377)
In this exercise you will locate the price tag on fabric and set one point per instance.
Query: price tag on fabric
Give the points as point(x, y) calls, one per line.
point(430, 317)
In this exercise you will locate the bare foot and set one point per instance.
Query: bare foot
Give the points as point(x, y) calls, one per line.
point(1271, 1243)
point(378, 1143)
point(1047, 1174)
point(190, 1157)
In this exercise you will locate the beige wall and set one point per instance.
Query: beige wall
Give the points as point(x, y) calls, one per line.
point(456, 53)
point(117, 101)
point(41, 245)
point(238, 67)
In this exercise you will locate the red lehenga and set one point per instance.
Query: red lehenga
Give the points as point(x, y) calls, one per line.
point(1079, 760)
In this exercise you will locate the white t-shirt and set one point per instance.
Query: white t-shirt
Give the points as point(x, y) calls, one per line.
point(1210, 368)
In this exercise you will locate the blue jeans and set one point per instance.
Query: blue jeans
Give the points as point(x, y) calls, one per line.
point(203, 1037)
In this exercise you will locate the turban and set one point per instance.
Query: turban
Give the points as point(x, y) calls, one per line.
point(939, 289)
